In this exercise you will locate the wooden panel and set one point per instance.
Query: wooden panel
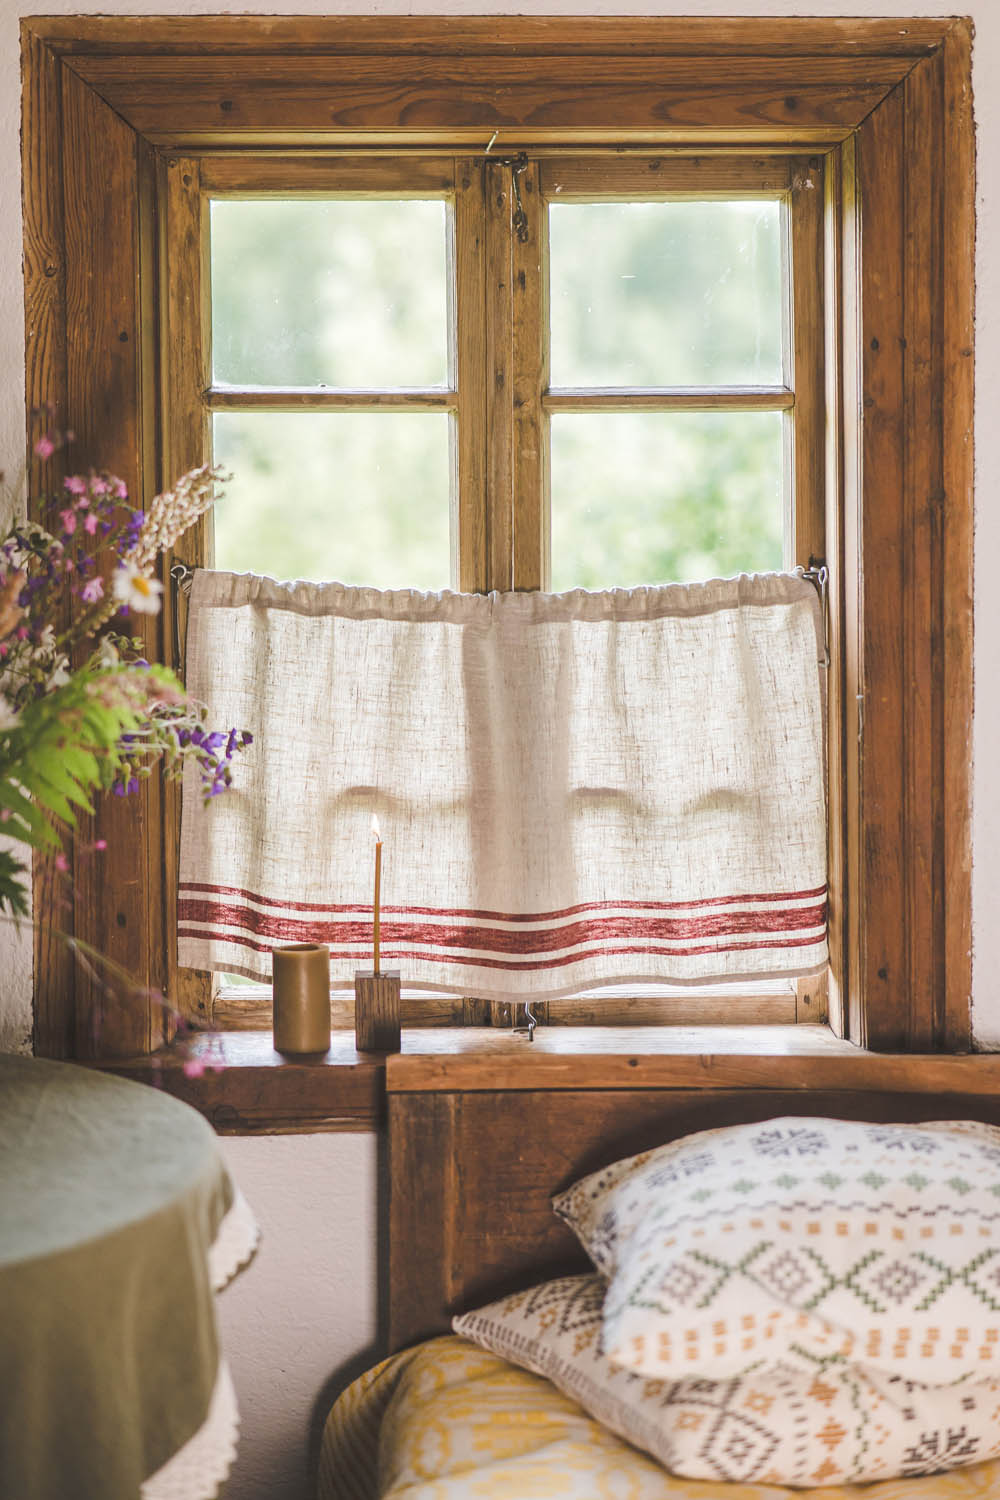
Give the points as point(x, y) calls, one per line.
point(45, 378)
point(793, 1057)
point(808, 359)
point(279, 398)
point(495, 35)
point(958, 223)
point(117, 897)
point(238, 1010)
point(184, 363)
point(529, 377)
point(408, 97)
point(470, 1199)
point(646, 178)
point(835, 206)
point(258, 1091)
point(884, 971)
point(499, 347)
point(256, 176)
point(469, 437)
point(705, 398)
point(921, 525)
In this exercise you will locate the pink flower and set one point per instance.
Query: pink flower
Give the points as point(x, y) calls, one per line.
point(100, 844)
point(68, 518)
point(92, 590)
point(90, 523)
point(193, 1067)
point(76, 484)
point(45, 447)
point(121, 489)
point(98, 486)
point(61, 863)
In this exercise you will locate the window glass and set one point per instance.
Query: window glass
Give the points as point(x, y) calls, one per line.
point(360, 497)
point(665, 294)
point(348, 293)
point(659, 497)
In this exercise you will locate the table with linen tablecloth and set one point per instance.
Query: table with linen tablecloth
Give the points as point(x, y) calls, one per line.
point(118, 1222)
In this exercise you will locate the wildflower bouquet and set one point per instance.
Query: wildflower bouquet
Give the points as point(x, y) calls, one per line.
point(80, 707)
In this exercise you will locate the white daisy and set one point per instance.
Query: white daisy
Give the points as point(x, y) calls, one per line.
point(136, 589)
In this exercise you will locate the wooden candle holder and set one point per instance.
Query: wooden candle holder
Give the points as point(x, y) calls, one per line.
point(376, 1010)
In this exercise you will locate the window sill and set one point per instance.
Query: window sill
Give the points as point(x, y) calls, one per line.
point(260, 1092)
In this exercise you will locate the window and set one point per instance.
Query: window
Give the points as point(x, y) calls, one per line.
point(657, 350)
point(125, 123)
point(660, 315)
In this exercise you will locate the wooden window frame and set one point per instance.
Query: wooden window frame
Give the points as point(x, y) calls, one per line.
point(113, 108)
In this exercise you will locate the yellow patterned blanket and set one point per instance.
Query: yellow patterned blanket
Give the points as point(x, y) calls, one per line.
point(447, 1421)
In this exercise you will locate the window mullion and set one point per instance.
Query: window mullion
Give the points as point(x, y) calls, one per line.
point(498, 376)
point(467, 274)
point(530, 344)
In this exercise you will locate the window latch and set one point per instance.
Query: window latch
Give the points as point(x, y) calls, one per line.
point(518, 164)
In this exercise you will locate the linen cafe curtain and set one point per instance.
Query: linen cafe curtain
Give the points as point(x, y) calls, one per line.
point(573, 789)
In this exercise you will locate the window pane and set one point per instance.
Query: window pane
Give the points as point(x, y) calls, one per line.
point(358, 497)
point(340, 292)
point(661, 497)
point(665, 294)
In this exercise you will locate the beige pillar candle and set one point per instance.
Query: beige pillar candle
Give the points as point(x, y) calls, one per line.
point(301, 996)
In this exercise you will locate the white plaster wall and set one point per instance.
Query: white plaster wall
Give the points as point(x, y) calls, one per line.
point(307, 1306)
point(300, 1321)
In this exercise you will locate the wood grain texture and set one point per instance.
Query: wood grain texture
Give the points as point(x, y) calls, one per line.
point(676, 398)
point(806, 250)
point(258, 1091)
point(646, 178)
point(499, 467)
point(257, 175)
point(836, 208)
point(884, 975)
point(184, 360)
point(234, 1010)
point(422, 93)
point(531, 465)
point(491, 36)
point(469, 341)
point(118, 897)
point(470, 1215)
point(693, 1057)
point(45, 378)
point(958, 221)
point(376, 1011)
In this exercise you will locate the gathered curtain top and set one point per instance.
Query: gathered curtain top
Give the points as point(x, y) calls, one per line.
point(219, 590)
point(574, 789)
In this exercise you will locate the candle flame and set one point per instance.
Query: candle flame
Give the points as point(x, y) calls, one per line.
point(376, 830)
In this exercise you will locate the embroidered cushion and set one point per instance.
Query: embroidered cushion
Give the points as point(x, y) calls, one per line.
point(803, 1242)
point(776, 1426)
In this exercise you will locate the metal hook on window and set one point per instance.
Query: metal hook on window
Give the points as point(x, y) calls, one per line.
point(182, 578)
point(517, 164)
point(531, 1022)
point(818, 575)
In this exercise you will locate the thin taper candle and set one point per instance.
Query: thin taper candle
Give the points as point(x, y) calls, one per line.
point(378, 882)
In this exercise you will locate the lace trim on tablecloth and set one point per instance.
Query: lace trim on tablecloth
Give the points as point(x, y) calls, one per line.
point(234, 1244)
point(196, 1471)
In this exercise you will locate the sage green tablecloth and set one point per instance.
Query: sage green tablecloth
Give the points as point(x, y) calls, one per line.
point(110, 1196)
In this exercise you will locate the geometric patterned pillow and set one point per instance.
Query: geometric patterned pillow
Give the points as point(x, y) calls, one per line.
point(805, 1242)
point(776, 1426)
